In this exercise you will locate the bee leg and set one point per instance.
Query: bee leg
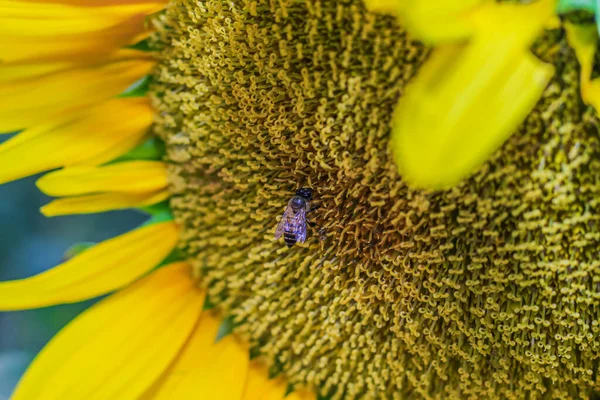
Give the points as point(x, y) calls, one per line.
point(313, 208)
point(321, 231)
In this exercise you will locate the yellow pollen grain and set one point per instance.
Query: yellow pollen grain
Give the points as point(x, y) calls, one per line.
point(487, 290)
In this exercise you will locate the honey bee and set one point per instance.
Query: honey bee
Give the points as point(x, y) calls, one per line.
point(293, 223)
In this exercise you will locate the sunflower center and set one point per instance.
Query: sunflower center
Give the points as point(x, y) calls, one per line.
point(488, 289)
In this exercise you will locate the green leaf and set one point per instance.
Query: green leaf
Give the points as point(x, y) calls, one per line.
point(174, 256)
point(156, 208)
point(158, 217)
point(565, 6)
point(142, 45)
point(225, 329)
point(151, 149)
point(139, 88)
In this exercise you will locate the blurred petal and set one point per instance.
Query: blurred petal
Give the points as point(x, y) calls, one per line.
point(260, 387)
point(117, 348)
point(76, 139)
point(584, 40)
point(432, 21)
point(26, 102)
point(102, 202)
point(205, 369)
point(101, 269)
point(466, 100)
point(390, 6)
point(83, 47)
point(125, 177)
point(17, 70)
point(50, 18)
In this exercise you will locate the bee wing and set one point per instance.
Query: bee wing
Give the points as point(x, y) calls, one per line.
point(287, 215)
point(299, 225)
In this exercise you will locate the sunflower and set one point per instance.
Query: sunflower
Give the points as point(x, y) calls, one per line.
point(487, 289)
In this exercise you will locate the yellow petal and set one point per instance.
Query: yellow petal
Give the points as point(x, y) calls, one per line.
point(205, 369)
point(27, 102)
point(260, 387)
point(83, 47)
point(388, 6)
point(96, 203)
point(117, 348)
point(15, 71)
point(432, 21)
point(302, 395)
point(43, 18)
point(76, 139)
point(584, 40)
point(467, 100)
point(103, 268)
point(125, 177)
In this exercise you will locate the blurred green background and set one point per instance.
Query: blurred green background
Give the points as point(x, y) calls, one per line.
point(31, 243)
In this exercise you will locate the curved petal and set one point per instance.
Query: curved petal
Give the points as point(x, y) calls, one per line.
point(123, 177)
point(205, 369)
point(468, 99)
point(101, 269)
point(432, 21)
point(117, 348)
point(26, 102)
point(584, 41)
point(260, 387)
point(96, 203)
point(44, 18)
point(27, 153)
point(72, 48)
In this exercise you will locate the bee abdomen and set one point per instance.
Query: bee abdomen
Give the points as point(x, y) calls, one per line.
point(290, 238)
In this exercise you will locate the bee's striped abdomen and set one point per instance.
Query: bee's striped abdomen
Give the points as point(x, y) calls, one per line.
point(290, 238)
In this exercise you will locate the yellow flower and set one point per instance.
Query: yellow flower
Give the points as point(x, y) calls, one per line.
point(489, 289)
point(63, 72)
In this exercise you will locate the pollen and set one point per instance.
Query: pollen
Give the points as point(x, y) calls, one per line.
point(487, 290)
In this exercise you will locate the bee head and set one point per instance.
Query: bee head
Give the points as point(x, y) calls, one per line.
point(305, 193)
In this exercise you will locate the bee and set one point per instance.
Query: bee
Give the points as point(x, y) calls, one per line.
point(293, 223)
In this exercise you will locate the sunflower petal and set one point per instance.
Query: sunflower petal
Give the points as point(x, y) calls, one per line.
point(388, 6)
point(44, 18)
point(468, 99)
point(125, 177)
point(101, 269)
point(96, 203)
point(26, 102)
point(60, 142)
point(260, 387)
point(584, 41)
point(118, 348)
point(205, 369)
point(432, 21)
point(83, 47)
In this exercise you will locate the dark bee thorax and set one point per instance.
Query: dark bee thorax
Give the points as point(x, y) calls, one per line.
point(298, 203)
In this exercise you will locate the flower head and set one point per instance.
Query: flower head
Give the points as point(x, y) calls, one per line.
point(483, 290)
